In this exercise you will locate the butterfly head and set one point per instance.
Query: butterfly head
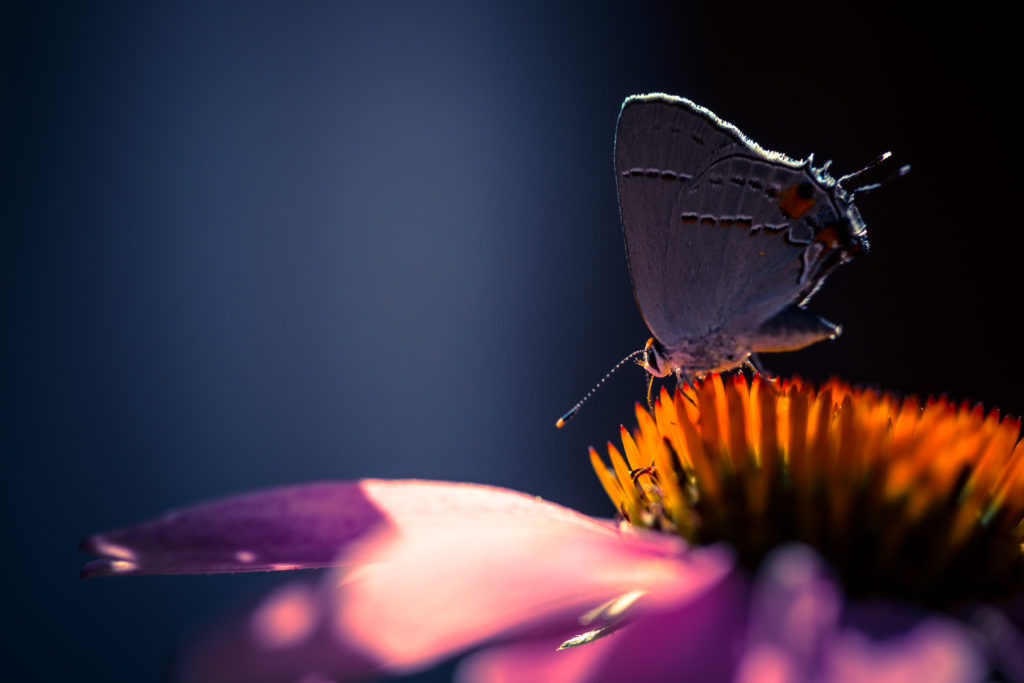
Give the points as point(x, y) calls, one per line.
point(655, 361)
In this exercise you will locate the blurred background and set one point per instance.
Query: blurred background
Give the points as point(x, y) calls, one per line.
point(251, 244)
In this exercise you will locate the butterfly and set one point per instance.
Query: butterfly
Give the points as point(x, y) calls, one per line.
point(726, 241)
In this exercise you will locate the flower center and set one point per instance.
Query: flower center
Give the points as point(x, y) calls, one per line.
point(922, 501)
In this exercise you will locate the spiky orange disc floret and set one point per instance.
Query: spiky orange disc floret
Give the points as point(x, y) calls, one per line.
point(925, 500)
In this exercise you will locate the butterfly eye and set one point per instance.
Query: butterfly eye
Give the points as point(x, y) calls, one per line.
point(654, 359)
point(650, 360)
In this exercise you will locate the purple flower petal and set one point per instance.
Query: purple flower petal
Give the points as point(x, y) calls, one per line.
point(445, 602)
point(695, 641)
point(286, 638)
point(794, 612)
point(797, 632)
point(306, 526)
point(937, 650)
point(431, 569)
point(286, 528)
point(443, 591)
point(536, 661)
point(1000, 639)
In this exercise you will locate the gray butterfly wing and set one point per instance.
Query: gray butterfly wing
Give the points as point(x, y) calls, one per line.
point(739, 243)
point(719, 236)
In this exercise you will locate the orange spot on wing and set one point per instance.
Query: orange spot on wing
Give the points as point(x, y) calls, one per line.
point(829, 237)
point(793, 205)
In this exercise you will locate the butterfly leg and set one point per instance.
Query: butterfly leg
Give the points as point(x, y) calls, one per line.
point(683, 381)
point(754, 363)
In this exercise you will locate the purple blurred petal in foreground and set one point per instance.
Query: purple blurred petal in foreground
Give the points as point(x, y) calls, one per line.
point(415, 600)
point(288, 637)
point(793, 617)
point(698, 640)
point(287, 528)
point(796, 632)
point(298, 527)
point(442, 592)
point(427, 570)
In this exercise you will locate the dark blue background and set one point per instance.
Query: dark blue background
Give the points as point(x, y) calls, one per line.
point(249, 244)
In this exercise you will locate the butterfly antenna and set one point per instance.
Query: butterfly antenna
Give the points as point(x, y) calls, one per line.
point(870, 165)
point(575, 409)
point(903, 170)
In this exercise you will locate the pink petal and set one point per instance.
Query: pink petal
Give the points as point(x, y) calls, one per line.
point(447, 566)
point(936, 650)
point(286, 638)
point(798, 632)
point(536, 661)
point(419, 598)
point(1001, 639)
point(297, 527)
point(794, 615)
point(696, 641)
point(286, 528)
